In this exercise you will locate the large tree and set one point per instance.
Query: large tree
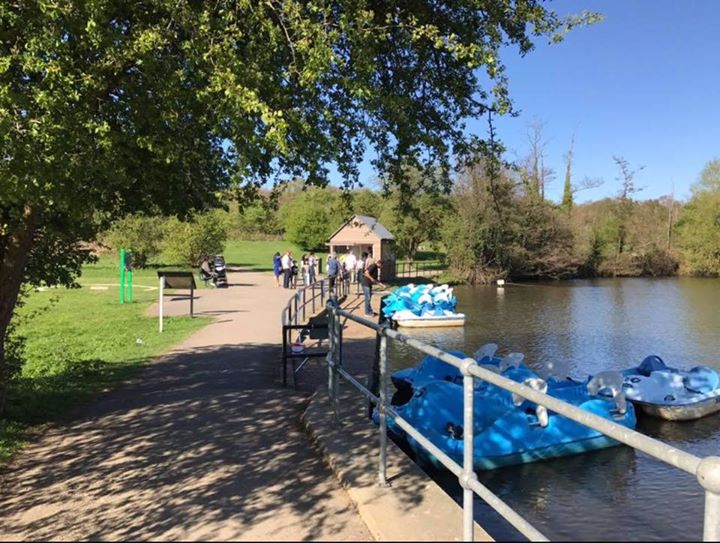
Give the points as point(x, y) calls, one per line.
point(110, 106)
point(699, 224)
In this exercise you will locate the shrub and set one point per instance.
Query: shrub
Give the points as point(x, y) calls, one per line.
point(311, 217)
point(139, 233)
point(187, 242)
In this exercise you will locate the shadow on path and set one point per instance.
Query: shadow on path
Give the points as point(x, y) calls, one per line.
point(203, 445)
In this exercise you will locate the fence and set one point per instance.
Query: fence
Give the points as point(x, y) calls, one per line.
point(300, 315)
point(423, 268)
point(707, 470)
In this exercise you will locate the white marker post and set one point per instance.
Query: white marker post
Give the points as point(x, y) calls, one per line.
point(162, 294)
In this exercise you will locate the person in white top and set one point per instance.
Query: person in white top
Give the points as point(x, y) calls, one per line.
point(359, 270)
point(350, 262)
point(286, 264)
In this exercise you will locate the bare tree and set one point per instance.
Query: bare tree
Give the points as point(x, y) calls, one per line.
point(536, 175)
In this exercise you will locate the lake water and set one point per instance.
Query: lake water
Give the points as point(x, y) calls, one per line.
point(584, 327)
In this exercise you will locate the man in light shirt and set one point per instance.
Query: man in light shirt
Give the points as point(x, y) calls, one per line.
point(359, 270)
point(286, 264)
point(350, 262)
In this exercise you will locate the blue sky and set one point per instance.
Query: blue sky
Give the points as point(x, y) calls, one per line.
point(644, 84)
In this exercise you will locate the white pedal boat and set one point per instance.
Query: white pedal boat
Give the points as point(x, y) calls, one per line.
point(409, 319)
point(670, 393)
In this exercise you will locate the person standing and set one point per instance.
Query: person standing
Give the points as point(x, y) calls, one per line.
point(293, 272)
point(277, 268)
point(286, 265)
point(370, 278)
point(350, 262)
point(359, 269)
point(312, 263)
point(305, 264)
point(333, 267)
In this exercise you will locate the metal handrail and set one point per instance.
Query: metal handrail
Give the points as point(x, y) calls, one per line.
point(707, 469)
point(417, 268)
point(312, 296)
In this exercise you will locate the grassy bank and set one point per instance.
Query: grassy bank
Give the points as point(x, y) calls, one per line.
point(80, 343)
point(258, 255)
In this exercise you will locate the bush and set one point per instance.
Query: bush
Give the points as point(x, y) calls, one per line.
point(311, 217)
point(187, 242)
point(141, 234)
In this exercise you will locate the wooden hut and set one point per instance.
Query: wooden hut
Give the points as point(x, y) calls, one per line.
point(365, 234)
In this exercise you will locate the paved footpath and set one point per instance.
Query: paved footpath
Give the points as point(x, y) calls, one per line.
point(205, 444)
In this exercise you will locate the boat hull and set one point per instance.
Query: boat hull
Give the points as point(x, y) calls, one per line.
point(504, 434)
point(680, 412)
point(431, 322)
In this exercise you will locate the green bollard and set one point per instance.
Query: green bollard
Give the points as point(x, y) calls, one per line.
point(122, 276)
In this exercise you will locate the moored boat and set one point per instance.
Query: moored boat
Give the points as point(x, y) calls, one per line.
point(423, 306)
point(410, 320)
point(671, 393)
point(507, 429)
point(504, 433)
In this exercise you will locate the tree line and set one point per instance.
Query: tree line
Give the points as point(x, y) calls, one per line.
point(500, 225)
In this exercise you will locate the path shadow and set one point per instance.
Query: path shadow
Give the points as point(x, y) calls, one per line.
point(198, 440)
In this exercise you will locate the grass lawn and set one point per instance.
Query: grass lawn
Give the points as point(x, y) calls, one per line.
point(258, 255)
point(80, 343)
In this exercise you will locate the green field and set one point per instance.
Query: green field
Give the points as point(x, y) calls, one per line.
point(258, 255)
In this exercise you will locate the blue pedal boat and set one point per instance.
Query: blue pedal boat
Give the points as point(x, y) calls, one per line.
point(507, 430)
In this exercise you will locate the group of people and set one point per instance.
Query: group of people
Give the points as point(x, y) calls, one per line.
point(364, 271)
point(287, 267)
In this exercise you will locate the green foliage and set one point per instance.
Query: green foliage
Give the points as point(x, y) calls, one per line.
point(367, 202)
point(311, 217)
point(479, 234)
point(187, 242)
point(139, 233)
point(109, 108)
point(709, 180)
point(699, 233)
point(255, 221)
point(413, 211)
point(699, 225)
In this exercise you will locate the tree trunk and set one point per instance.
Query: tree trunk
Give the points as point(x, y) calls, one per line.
point(15, 255)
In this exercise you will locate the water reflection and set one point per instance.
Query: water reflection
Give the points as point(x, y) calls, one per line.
point(582, 327)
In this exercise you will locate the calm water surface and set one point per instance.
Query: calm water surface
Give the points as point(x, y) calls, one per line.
point(583, 327)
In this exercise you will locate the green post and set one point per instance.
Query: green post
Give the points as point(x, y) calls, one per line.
point(122, 276)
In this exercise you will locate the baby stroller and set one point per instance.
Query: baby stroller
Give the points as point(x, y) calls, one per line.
point(220, 279)
point(214, 270)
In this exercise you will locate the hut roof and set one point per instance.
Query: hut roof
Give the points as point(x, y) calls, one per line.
point(365, 226)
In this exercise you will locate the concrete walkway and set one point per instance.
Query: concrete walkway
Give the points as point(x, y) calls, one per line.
point(205, 444)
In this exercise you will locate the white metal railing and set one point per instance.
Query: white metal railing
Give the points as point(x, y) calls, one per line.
point(707, 469)
point(311, 299)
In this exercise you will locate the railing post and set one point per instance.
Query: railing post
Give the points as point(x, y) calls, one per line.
point(337, 356)
point(313, 297)
point(296, 307)
point(331, 352)
point(708, 475)
point(304, 296)
point(382, 468)
point(468, 473)
point(160, 309)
